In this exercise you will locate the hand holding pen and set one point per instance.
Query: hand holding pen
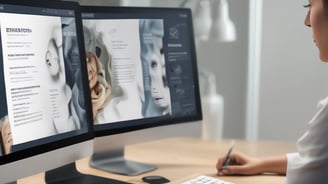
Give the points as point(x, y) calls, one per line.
point(238, 163)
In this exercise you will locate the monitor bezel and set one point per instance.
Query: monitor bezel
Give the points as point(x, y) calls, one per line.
point(76, 139)
point(156, 121)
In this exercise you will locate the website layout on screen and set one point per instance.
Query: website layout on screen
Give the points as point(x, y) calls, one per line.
point(138, 67)
point(39, 73)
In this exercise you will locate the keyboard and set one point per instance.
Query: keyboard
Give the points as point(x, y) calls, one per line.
point(205, 180)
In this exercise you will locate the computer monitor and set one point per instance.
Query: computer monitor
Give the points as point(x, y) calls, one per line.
point(142, 77)
point(45, 107)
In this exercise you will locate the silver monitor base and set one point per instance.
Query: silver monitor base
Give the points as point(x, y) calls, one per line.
point(118, 164)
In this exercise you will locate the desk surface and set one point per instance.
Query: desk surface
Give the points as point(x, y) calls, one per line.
point(183, 158)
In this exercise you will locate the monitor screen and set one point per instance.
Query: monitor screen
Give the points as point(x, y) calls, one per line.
point(45, 101)
point(142, 67)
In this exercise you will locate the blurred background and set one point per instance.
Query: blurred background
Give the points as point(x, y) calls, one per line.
point(269, 74)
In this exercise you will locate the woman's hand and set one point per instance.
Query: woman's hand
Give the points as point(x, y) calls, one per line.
point(239, 164)
point(247, 165)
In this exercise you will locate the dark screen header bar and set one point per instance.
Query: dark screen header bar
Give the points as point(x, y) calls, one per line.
point(35, 10)
point(109, 15)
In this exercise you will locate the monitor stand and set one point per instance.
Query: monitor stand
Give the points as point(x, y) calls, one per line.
point(114, 162)
point(14, 182)
point(69, 175)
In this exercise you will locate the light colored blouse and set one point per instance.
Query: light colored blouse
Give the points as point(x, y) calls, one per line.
point(310, 164)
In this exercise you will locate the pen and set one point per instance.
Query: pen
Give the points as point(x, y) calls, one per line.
point(227, 160)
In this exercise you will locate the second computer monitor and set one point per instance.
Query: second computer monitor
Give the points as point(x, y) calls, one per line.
point(142, 74)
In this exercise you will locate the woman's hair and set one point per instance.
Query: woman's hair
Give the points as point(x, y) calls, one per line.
point(325, 6)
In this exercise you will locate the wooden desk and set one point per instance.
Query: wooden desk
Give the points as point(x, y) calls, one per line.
point(180, 158)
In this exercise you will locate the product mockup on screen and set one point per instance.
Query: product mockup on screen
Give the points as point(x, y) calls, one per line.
point(45, 101)
point(142, 74)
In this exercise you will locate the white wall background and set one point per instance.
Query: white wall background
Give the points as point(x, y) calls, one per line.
point(292, 76)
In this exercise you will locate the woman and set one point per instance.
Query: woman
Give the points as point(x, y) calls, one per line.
point(157, 100)
point(310, 163)
point(99, 88)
